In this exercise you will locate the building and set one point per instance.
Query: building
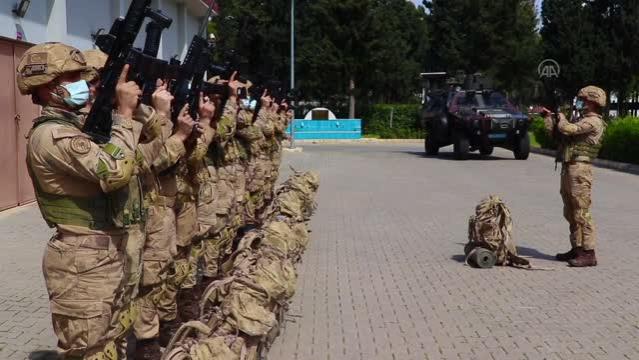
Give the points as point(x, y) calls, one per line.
point(74, 22)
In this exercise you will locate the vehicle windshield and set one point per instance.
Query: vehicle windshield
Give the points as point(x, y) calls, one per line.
point(483, 100)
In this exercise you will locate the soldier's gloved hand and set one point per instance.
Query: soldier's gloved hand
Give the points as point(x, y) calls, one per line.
point(127, 95)
point(161, 100)
point(184, 125)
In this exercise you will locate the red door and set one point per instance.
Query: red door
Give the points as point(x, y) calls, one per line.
point(8, 144)
point(26, 111)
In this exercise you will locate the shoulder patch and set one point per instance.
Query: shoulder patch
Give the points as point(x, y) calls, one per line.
point(80, 145)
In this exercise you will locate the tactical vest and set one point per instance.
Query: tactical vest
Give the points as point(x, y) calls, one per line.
point(580, 151)
point(118, 209)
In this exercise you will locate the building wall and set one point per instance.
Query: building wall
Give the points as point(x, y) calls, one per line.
point(73, 22)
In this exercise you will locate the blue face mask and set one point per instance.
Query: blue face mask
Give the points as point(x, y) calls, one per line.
point(78, 94)
point(580, 104)
point(248, 104)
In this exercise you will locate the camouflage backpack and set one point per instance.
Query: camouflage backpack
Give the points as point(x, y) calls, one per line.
point(490, 236)
point(204, 346)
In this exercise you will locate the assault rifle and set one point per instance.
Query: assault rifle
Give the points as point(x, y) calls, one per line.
point(553, 102)
point(146, 68)
point(186, 88)
point(190, 79)
point(117, 44)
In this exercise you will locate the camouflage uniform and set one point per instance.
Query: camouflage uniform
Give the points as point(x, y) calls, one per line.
point(580, 143)
point(258, 165)
point(178, 293)
point(280, 122)
point(79, 188)
point(159, 246)
point(222, 161)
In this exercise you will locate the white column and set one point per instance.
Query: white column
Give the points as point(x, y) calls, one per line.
point(57, 26)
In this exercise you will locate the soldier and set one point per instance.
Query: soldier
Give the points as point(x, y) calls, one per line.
point(252, 137)
point(76, 183)
point(178, 293)
point(580, 142)
point(221, 165)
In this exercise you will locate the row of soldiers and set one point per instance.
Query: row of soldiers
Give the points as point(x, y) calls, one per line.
point(135, 216)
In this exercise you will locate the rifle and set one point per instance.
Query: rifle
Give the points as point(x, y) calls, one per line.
point(117, 44)
point(146, 67)
point(553, 101)
point(192, 72)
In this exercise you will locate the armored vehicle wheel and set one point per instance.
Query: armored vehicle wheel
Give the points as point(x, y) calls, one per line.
point(461, 146)
point(430, 145)
point(521, 148)
point(486, 150)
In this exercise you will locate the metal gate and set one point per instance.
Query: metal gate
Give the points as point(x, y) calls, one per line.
point(15, 121)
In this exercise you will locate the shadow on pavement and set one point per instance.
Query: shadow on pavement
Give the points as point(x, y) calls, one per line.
point(43, 355)
point(521, 250)
point(451, 156)
point(534, 253)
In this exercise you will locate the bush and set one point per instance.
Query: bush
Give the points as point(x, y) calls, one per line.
point(405, 121)
point(621, 141)
point(541, 135)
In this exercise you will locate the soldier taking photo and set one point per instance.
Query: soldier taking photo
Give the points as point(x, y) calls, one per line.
point(579, 143)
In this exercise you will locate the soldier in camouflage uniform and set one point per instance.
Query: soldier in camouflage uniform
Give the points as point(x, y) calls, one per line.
point(221, 163)
point(79, 187)
point(253, 138)
point(580, 142)
point(178, 293)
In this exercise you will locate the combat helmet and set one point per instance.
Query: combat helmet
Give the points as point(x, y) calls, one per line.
point(43, 63)
point(593, 94)
point(96, 59)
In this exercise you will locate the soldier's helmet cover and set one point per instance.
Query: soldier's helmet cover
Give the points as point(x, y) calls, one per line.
point(43, 63)
point(593, 94)
point(96, 59)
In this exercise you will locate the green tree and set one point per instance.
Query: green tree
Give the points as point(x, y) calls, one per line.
point(496, 37)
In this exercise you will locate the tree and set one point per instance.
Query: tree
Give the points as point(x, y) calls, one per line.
point(496, 37)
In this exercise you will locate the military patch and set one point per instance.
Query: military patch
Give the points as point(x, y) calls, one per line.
point(36, 64)
point(80, 145)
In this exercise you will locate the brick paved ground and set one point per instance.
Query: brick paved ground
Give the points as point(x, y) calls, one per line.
point(384, 277)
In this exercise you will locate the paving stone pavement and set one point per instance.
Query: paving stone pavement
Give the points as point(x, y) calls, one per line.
point(384, 276)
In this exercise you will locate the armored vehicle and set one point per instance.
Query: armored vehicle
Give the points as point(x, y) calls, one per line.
point(464, 111)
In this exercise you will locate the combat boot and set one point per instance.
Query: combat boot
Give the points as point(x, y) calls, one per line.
point(148, 349)
point(167, 330)
point(187, 305)
point(584, 258)
point(567, 255)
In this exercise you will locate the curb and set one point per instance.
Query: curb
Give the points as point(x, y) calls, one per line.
point(606, 164)
point(362, 141)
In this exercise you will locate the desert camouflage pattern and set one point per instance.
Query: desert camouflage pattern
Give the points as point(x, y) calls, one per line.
point(43, 63)
point(491, 228)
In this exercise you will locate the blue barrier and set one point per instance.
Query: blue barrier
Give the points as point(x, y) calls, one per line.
point(326, 129)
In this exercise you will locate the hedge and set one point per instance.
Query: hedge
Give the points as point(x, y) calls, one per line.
point(405, 124)
point(620, 141)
